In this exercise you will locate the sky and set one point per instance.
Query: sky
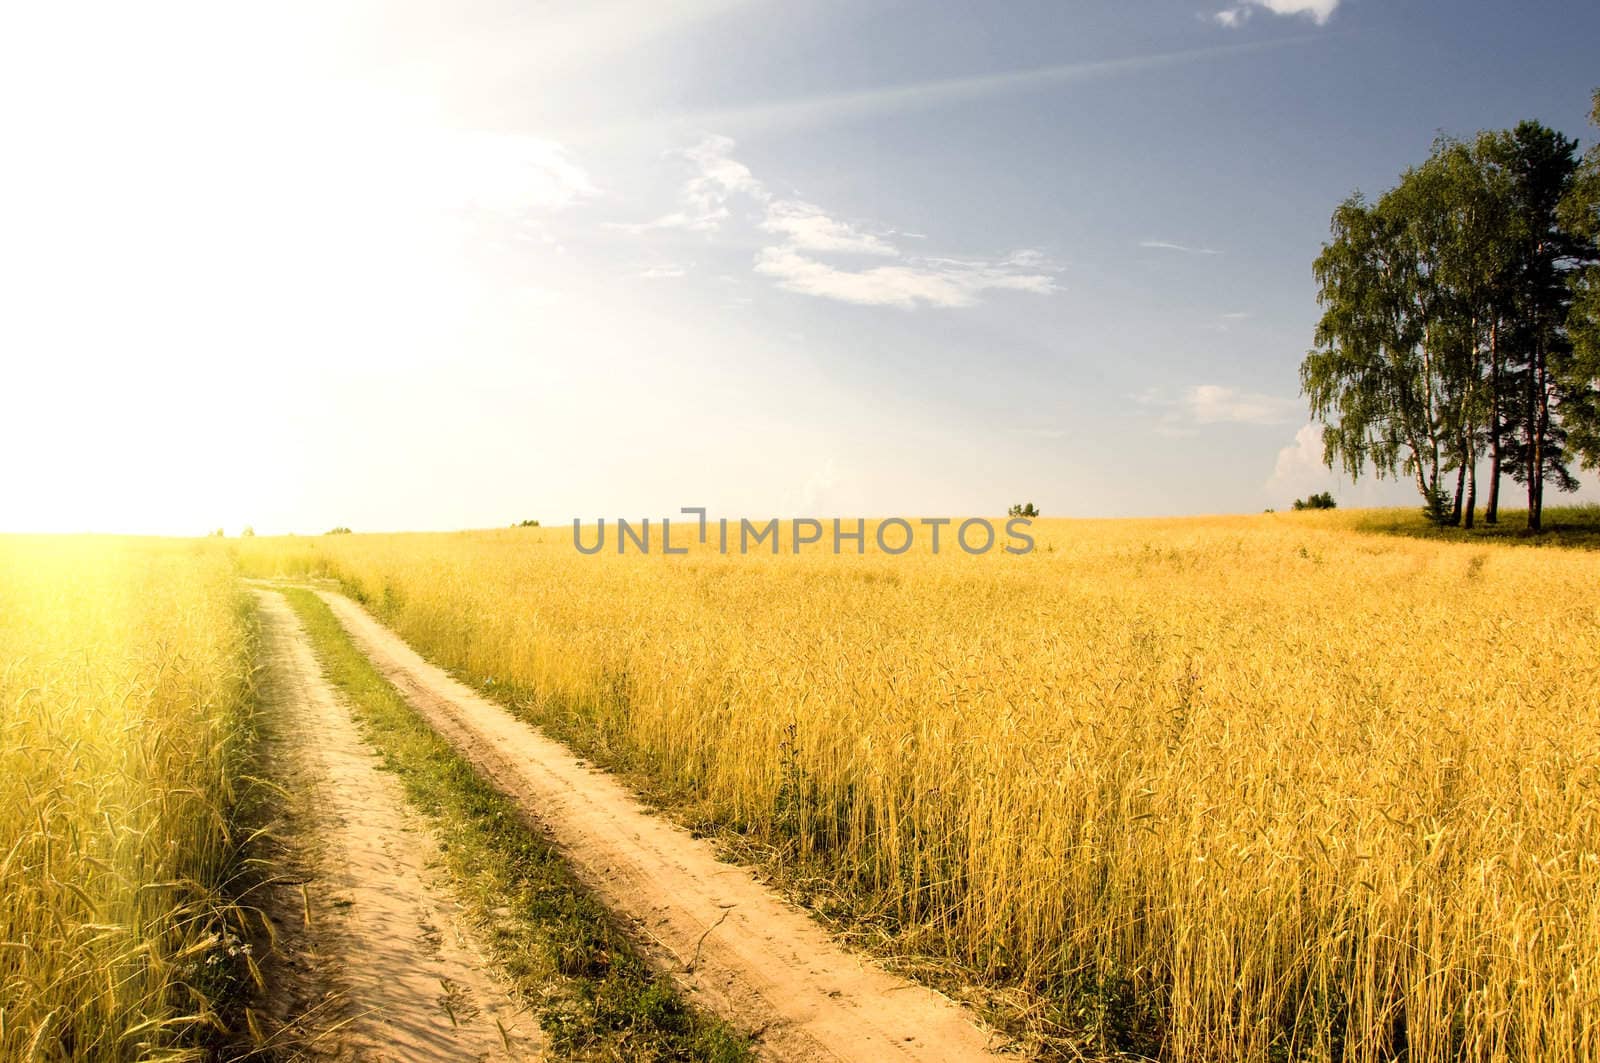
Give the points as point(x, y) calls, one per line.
point(408, 265)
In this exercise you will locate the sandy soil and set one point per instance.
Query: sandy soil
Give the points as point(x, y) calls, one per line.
point(370, 963)
point(735, 946)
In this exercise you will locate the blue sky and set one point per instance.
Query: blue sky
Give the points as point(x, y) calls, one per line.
point(402, 265)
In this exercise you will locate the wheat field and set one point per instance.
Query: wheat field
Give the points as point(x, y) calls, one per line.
point(1248, 788)
point(125, 717)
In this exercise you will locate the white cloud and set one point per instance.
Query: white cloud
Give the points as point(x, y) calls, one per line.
point(1299, 471)
point(907, 286)
point(1029, 258)
point(806, 231)
point(1300, 464)
point(806, 227)
point(1225, 322)
point(655, 273)
point(507, 172)
point(1166, 245)
point(1319, 11)
point(718, 178)
point(1212, 404)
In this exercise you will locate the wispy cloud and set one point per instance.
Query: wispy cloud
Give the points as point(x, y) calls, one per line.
point(1225, 322)
point(945, 284)
point(1166, 245)
point(807, 227)
point(804, 234)
point(943, 92)
point(718, 177)
point(1319, 11)
point(1213, 404)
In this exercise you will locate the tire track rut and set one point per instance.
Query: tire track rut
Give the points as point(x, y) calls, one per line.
point(735, 946)
point(368, 952)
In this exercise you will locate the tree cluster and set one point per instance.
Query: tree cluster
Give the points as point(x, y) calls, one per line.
point(1461, 321)
point(1320, 500)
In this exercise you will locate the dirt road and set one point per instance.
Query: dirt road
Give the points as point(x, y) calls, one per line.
point(736, 947)
point(371, 963)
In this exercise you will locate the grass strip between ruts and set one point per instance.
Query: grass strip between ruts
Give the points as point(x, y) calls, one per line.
point(561, 952)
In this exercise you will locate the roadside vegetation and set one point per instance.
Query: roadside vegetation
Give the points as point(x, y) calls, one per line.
point(1249, 788)
point(562, 953)
point(126, 793)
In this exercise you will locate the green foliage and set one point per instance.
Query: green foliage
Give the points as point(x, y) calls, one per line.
point(1022, 511)
point(341, 530)
point(1320, 500)
point(1438, 508)
point(526, 524)
point(1445, 327)
point(1541, 394)
point(1571, 527)
point(1580, 213)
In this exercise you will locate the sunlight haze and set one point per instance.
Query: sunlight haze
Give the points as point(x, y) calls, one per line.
point(455, 265)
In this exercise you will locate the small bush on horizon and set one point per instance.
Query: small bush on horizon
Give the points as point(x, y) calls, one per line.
point(1320, 500)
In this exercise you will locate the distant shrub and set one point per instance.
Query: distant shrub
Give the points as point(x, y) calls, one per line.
point(1022, 511)
point(526, 524)
point(1321, 500)
point(341, 530)
point(248, 533)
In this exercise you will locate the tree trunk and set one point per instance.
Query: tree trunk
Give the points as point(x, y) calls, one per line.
point(1538, 419)
point(1530, 433)
point(1491, 514)
point(1533, 482)
point(1461, 482)
point(1491, 511)
point(1472, 494)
